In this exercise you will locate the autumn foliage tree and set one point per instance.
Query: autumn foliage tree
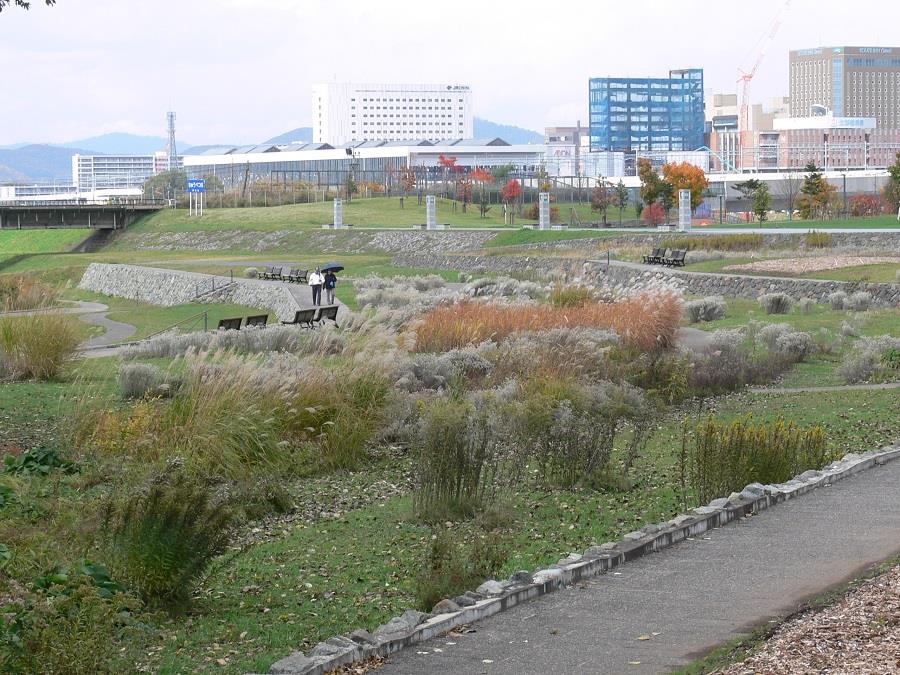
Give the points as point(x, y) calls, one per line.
point(817, 197)
point(510, 194)
point(484, 178)
point(651, 183)
point(686, 176)
point(892, 189)
point(602, 197)
point(865, 205)
point(653, 213)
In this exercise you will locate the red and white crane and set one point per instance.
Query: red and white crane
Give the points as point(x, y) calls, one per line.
point(746, 76)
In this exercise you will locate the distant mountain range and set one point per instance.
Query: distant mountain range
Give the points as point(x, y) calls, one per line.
point(509, 133)
point(38, 163)
point(298, 135)
point(53, 161)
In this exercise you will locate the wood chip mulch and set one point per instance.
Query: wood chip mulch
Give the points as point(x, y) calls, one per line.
point(858, 634)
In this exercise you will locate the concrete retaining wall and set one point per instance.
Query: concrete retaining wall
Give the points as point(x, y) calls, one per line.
point(167, 288)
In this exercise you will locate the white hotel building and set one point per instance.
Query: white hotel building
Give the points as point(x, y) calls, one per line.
point(344, 112)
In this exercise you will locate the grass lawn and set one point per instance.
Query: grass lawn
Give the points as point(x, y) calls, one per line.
point(16, 242)
point(312, 581)
point(31, 411)
point(378, 212)
point(873, 322)
point(883, 273)
point(150, 318)
point(521, 237)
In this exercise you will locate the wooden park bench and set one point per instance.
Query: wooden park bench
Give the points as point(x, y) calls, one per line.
point(302, 317)
point(230, 324)
point(258, 320)
point(297, 276)
point(653, 257)
point(327, 314)
point(676, 259)
point(267, 273)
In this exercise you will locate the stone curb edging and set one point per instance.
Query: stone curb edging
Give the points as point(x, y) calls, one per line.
point(492, 597)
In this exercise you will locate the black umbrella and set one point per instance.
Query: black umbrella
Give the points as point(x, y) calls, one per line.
point(332, 267)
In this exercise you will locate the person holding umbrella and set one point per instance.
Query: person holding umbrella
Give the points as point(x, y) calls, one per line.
point(315, 283)
point(330, 280)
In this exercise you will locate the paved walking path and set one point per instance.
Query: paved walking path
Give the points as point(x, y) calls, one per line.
point(813, 390)
point(93, 314)
point(686, 599)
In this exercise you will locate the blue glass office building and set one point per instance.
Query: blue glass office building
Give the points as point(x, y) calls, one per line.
point(647, 114)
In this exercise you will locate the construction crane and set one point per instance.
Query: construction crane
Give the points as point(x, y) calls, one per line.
point(745, 77)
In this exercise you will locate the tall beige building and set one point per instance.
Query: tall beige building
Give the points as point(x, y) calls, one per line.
point(847, 82)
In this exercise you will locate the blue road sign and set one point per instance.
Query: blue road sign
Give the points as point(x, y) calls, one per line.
point(196, 185)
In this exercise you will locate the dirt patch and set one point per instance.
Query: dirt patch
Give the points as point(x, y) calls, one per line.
point(813, 264)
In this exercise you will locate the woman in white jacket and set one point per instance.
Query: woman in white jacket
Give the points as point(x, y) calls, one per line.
point(315, 283)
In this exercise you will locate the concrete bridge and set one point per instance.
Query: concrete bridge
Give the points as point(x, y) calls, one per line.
point(76, 213)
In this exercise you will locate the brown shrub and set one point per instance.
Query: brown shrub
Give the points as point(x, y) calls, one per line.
point(23, 291)
point(646, 322)
point(37, 346)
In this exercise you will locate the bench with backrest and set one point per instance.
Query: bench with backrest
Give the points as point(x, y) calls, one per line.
point(258, 320)
point(302, 317)
point(291, 275)
point(297, 276)
point(230, 324)
point(676, 259)
point(654, 255)
point(267, 273)
point(327, 314)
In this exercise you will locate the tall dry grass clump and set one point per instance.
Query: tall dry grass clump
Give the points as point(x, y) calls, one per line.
point(231, 414)
point(722, 457)
point(37, 346)
point(646, 322)
point(23, 291)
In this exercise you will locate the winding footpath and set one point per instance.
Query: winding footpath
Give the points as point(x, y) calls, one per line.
point(93, 314)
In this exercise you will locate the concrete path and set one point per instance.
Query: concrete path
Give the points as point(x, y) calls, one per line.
point(116, 331)
point(686, 599)
point(837, 387)
point(93, 314)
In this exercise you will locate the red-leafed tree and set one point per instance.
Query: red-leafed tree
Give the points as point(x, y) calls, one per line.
point(483, 177)
point(653, 213)
point(448, 166)
point(510, 194)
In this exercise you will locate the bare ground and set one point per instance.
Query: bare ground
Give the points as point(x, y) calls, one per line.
point(811, 264)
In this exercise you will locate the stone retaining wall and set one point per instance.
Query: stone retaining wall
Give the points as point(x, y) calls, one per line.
point(173, 287)
point(742, 286)
point(624, 275)
point(882, 242)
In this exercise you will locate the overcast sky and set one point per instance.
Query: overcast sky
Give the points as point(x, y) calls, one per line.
point(239, 71)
